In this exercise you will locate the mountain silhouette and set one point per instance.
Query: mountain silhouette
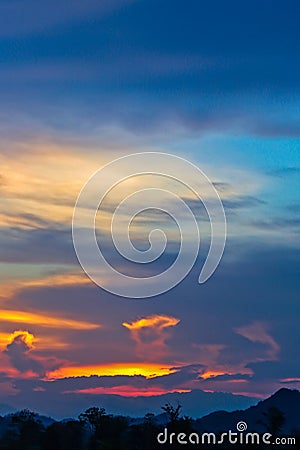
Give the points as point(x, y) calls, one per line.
point(285, 400)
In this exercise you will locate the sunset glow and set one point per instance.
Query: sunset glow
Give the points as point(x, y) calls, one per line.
point(144, 369)
point(149, 206)
point(129, 391)
point(27, 337)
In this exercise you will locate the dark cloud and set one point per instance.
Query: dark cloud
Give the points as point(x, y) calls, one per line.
point(37, 245)
point(242, 201)
point(18, 351)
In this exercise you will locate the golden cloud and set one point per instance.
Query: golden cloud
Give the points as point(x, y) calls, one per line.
point(155, 321)
point(150, 334)
point(44, 320)
point(147, 370)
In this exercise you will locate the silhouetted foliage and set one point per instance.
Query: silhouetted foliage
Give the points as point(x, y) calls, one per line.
point(274, 420)
point(65, 436)
point(143, 436)
point(97, 430)
point(172, 411)
point(94, 417)
point(24, 433)
point(105, 428)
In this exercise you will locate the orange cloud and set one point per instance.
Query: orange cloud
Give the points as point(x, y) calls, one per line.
point(150, 334)
point(18, 351)
point(44, 320)
point(68, 279)
point(212, 373)
point(25, 336)
point(158, 322)
point(23, 362)
point(33, 185)
point(131, 369)
point(45, 342)
point(22, 335)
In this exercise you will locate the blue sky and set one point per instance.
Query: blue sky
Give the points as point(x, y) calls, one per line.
point(214, 82)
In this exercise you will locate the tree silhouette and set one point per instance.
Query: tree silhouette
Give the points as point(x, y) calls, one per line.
point(65, 436)
point(106, 430)
point(142, 435)
point(172, 411)
point(26, 431)
point(274, 420)
point(93, 416)
point(177, 424)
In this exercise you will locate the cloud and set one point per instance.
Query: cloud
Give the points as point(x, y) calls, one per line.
point(30, 281)
point(22, 355)
point(241, 201)
point(256, 333)
point(66, 110)
point(44, 320)
point(278, 223)
point(43, 395)
point(146, 369)
point(52, 246)
point(157, 322)
point(150, 334)
point(23, 220)
point(290, 380)
point(18, 352)
point(130, 391)
point(185, 72)
point(202, 340)
point(229, 377)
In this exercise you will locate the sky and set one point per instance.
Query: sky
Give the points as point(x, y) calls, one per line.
point(83, 83)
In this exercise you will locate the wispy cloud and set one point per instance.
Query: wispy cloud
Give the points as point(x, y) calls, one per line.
point(256, 332)
point(43, 320)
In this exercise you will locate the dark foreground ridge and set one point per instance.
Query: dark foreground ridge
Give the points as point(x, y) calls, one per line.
point(95, 429)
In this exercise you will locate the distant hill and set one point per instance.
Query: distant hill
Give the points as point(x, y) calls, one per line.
point(28, 430)
point(196, 403)
point(286, 400)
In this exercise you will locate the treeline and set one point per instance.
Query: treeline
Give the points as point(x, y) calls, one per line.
point(96, 430)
